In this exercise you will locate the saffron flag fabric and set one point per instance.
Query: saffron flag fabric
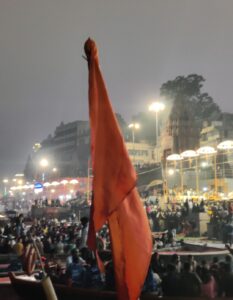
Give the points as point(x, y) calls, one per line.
point(115, 199)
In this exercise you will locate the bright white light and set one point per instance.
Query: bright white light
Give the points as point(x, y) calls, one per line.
point(54, 169)
point(189, 154)
point(204, 164)
point(226, 145)
point(44, 162)
point(20, 181)
point(5, 180)
point(174, 157)
point(19, 175)
point(52, 191)
point(206, 150)
point(36, 147)
point(171, 172)
point(205, 189)
point(74, 181)
point(46, 184)
point(64, 181)
point(156, 106)
point(134, 125)
point(37, 191)
point(55, 183)
point(14, 179)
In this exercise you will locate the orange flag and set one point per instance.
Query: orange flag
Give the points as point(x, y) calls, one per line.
point(116, 199)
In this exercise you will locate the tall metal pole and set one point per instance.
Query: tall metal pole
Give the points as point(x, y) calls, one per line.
point(197, 176)
point(215, 174)
point(156, 129)
point(181, 177)
point(5, 190)
point(133, 137)
point(165, 183)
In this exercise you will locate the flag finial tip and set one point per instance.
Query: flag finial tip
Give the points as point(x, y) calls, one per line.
point(90, 48)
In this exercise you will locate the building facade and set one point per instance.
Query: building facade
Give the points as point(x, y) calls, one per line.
point(217, 131)
point(141, 153)
point(68, 151)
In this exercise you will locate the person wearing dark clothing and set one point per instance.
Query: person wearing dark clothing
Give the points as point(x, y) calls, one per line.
point(109, 277)
point(170, 282)
point(155, 263)
point(226, 281)
point(190, 282)
point(92, 275)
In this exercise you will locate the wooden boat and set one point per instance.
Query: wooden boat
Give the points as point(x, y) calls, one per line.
point(195, 249)
point(29, 288)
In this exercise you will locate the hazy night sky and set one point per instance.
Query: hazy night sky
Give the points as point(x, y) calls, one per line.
point(142, 44)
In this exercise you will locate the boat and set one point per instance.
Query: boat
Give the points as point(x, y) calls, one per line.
point(27, 287)
point(199, 250)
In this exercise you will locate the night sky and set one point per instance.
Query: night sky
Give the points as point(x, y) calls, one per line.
point(142, 44)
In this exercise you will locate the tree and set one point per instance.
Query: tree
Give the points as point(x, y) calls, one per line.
point(188, 88)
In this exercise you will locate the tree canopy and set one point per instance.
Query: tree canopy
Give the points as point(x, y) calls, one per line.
point(189, 89)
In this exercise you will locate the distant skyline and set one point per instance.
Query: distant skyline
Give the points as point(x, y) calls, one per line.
point(142, 44)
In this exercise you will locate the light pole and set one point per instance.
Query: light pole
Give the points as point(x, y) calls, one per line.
point(5, 181)
point(157, 107)
point(54, 172)
point(225, 148)
point(44, 164)
point(134, 126)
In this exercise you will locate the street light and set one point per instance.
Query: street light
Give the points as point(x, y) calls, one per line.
point(36, 147)
point(225, 148)
point(157, 107)
point(134, 126)
point(44, 164)
point(171, 172)
point(5, 181)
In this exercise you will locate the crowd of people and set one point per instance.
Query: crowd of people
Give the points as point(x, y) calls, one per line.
point(181, 217)
point(191, 278)
point(66, 258)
